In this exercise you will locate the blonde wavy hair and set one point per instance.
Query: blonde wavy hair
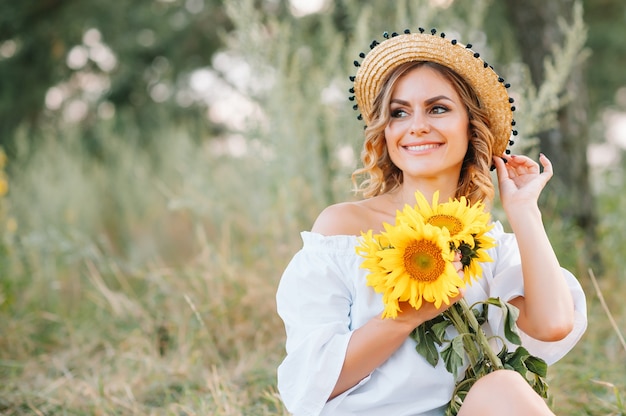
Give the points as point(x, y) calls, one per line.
point(382, 176)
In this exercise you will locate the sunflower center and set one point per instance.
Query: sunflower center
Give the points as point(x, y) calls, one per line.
point(423, 261)
point(452, 223)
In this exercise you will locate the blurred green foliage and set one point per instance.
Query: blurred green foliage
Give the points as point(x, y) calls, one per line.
point(605, 75)
point(149, 42)
point(160, 42)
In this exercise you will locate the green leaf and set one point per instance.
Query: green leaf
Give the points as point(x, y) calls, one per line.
point(453, 354)
point(426, 344)
point(458, 396)
point(516, 360)
point(521, 361)
point(511, 313)
point(454, 406)
point(493, 301)
point(485, 310)
point(540, 386)
point(439, 331)
point(536, 365)
point(503, 353)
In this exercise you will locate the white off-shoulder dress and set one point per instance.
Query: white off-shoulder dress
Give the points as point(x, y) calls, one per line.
point(323, 297)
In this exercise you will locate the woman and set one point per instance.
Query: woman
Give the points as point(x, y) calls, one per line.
point(438, 117)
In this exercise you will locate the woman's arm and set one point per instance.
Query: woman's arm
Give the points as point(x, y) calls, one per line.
point(373, 343)
point(546, 309)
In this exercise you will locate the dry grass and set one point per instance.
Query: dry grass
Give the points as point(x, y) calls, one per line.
point(591, 379)
point(167, 308)
point(200, 340)
point(204, 339)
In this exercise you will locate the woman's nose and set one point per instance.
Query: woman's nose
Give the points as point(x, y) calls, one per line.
point(419, 124)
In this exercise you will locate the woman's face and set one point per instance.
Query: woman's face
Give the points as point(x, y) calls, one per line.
point(427, 135)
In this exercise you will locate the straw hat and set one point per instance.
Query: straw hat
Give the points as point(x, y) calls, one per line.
point(397, 49)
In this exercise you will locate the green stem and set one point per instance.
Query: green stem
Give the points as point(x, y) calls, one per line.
point(456, 313)
point(482, 358)
point(481, 338)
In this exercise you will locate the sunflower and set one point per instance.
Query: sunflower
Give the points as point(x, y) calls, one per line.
point(369, 248)
point(467, 224)
point(471, 257)
point(410, 263)
point(461, 219)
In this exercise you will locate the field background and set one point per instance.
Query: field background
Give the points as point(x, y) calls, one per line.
point(139, 262)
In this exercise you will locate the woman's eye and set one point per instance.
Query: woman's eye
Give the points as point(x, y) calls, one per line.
point(439, 109)
point(399, 113)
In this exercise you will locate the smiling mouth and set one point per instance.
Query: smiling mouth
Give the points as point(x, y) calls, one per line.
point(422, 147)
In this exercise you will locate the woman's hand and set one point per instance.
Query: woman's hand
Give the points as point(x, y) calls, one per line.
point(520, 180)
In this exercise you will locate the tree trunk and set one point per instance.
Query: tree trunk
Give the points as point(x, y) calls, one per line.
point(536, 30)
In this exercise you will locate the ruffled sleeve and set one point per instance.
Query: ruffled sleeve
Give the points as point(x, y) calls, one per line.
point(507, 283)
point(313, 299)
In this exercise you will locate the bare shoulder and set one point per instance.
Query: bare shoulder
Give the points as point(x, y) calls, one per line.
point(346, 218)
point(349, 218)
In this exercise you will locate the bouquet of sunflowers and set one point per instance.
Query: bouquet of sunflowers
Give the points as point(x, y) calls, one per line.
point(412, 261)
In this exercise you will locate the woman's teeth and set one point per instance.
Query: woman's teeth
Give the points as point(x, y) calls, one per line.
point(421, 147)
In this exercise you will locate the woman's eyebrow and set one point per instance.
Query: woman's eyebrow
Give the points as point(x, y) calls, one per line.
point(437, 98)
point(428, 101)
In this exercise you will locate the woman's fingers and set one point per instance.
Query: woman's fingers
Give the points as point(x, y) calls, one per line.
point(500, 165)
point(521, 165)
point(547, 165)
point(512, 166)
